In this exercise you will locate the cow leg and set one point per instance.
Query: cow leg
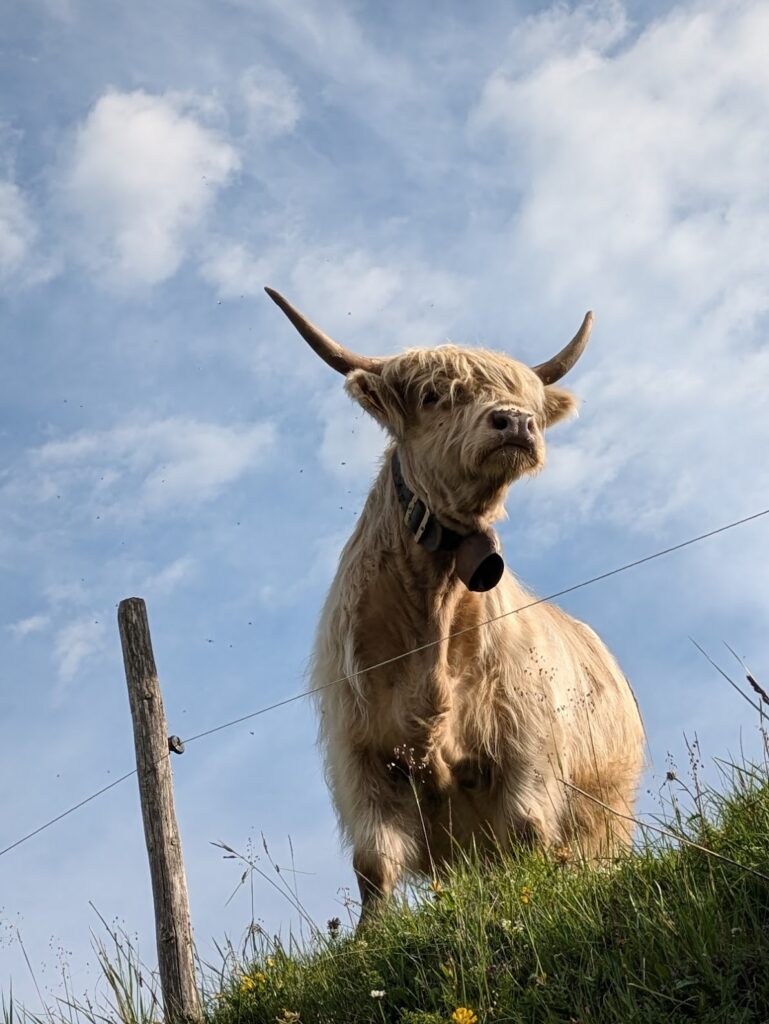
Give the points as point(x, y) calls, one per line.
point(374, 884)
point(379, 860)
point(532, 809)
point(598, 833)
point(380, 821)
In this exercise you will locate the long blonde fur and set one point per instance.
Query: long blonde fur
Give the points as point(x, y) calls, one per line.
point(466, 741)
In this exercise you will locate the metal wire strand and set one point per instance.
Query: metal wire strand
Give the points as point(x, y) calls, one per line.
point(399, 657)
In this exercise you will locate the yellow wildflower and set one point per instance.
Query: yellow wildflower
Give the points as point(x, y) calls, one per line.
point(464, 1015)
point(525, 894)
point(250, 981)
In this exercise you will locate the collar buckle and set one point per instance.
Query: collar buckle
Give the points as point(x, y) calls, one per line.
point(410, 510)
point(419, 530)
point(430, 532)
point(423, 525)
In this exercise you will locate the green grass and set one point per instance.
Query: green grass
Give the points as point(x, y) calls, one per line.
point(667, 933)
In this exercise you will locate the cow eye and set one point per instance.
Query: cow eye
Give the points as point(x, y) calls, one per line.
point(430, 397)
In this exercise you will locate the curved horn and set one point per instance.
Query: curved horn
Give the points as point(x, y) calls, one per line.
point(339, 358)
point(559, 365)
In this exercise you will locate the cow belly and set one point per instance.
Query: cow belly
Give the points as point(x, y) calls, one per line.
point(472, 745)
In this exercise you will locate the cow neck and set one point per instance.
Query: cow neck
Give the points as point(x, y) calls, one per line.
point(474, 556)
point(418, 518)
point(402, 559)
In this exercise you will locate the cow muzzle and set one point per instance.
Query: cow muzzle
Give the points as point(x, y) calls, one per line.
point(513, 428)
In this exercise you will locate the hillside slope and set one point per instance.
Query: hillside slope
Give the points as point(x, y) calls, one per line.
point(668, 934)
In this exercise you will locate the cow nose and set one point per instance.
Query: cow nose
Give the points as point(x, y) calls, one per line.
point(514, 426)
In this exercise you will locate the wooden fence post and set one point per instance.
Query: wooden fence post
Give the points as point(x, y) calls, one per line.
point(173, 928)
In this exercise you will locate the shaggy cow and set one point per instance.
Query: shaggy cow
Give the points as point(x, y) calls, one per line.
point(469, 739)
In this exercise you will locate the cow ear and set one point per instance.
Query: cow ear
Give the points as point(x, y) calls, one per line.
point(378, 398)
point(559, 404)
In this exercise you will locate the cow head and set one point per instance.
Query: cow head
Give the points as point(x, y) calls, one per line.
point(467, 422)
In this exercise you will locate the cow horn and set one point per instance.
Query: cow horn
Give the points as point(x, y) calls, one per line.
point(338, 357)
point(559, 365)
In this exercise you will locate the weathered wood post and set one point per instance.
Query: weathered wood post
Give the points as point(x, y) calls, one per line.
point(173, 928)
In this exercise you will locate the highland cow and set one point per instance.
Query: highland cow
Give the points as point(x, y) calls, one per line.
point(479, 737)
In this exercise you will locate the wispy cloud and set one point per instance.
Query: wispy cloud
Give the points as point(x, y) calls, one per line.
point(17, 231)
point(76, 643)
point(21, 262)
point(32, 624)
point(381, 298)
point(145, 467)
point(169, 577)
point(271, 101)
point(233, 270)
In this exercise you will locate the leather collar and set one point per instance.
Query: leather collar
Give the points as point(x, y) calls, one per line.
point(429, 532)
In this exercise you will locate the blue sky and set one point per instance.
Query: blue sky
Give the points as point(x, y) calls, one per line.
point(405, 176)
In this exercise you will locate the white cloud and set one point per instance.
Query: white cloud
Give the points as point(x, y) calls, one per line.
point(379, 301)
point(342, 282)
point(355, 70)
point(373, 301)
point(659, 444)
point(32, 624)
point(271, 101)
point(73, 593)
point(17, 230)
point(75, 644)
point(146, 467)
point(234, 271)
point(21, 262)
point(594, 25)
point(642, 172)
point(167, 579)
point(642, 163)
point(143, 173)
point(334, 281)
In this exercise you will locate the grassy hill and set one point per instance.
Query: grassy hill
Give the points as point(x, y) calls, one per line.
point(669, 933)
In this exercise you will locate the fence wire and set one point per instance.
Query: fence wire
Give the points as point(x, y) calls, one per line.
point(399, 657)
